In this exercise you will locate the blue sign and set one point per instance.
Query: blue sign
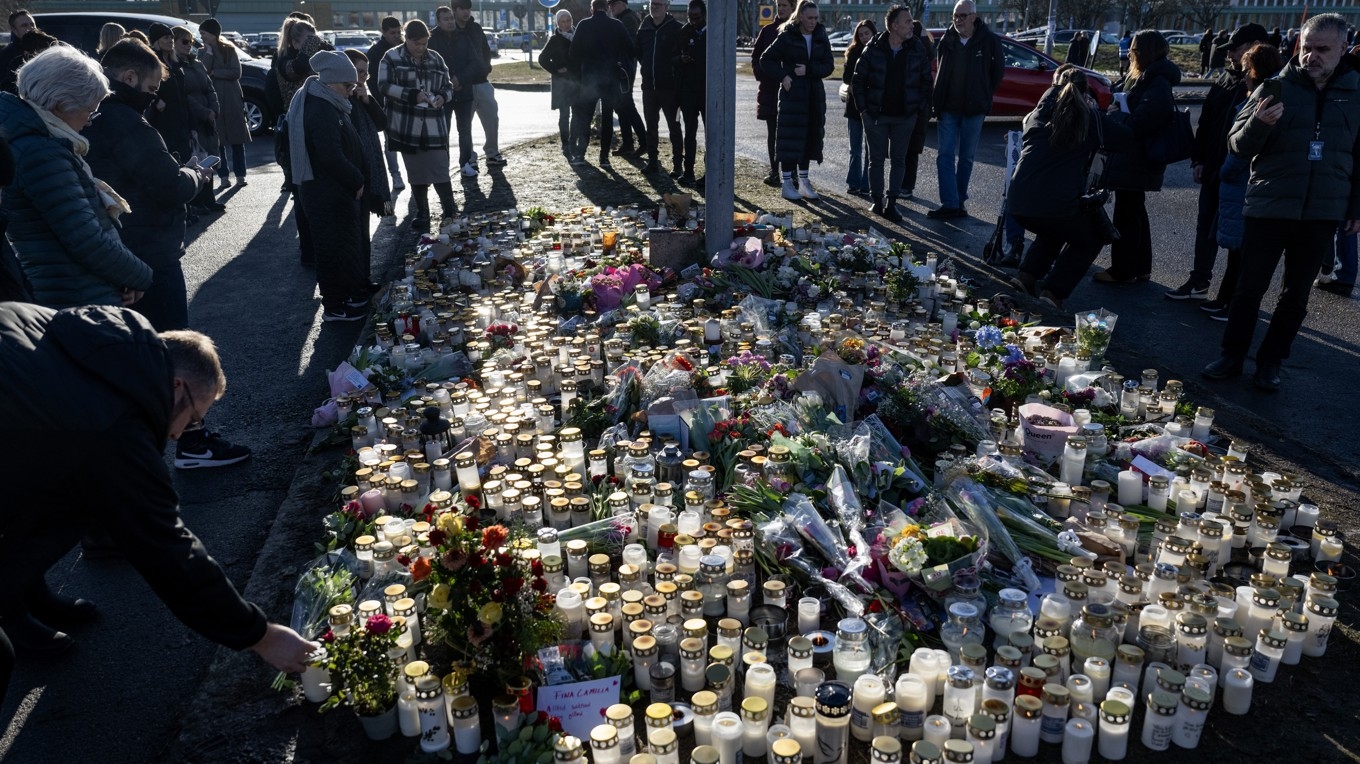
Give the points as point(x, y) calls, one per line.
point(549, 4)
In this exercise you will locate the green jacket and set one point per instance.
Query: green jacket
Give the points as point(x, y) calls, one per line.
point(63, 236)
point(1284, 182)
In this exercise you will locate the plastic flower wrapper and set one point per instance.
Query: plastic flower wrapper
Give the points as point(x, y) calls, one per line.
point(840, 494)
point(758, 311)
point(607, 535)
point(782, 543)
point(952, 547)
point(666, 378)
point(884, 447)
point(851, 446)
point(1094, 329)
point(822, 538)
point(776, 417)
point(327, 582)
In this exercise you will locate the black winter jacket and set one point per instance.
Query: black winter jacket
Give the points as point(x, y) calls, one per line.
point(555, 57)
point(1284, 182)
point(598, 50)
point(1150, 107)
point(969, 74)
point(871, 74)
point(658, 45)
point(333, 147)
point(691, 65)
point(375, 53)
point(799, 131)
point(1049, 181)
point(99, 380)
point(127, 153)
point(767, 92)
point(1216, 116)
point(466, 53)
point(175, 121)
point(852, 110)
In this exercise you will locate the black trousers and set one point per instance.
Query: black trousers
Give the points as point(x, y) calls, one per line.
point(656, 104)
point(581, 114)
point(24, 577)
point(1063, 249)
point(1304, 245)
point(630, 121)
point(339, 244)
point(1131, 255)
point(459, 114)
point(692, 113)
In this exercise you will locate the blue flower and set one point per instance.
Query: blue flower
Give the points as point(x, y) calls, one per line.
point(988, 337)
point(1014, 354)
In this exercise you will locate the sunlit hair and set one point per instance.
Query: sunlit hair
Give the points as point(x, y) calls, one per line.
point(62, 77)
point(855, 45)
point(1148, 47)
point(794, 20)
point(109, 34)
point(1072, 115)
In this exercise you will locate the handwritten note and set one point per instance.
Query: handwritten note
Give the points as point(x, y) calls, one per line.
point(579, 705)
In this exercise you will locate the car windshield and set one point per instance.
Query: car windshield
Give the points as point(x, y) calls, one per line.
point(1021, 57)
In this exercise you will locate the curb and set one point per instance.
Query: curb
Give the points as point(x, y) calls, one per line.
point(524, 87)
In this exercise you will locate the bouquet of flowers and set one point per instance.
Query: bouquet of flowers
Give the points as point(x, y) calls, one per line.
point(485, 601)
point(1094, 328)
point(501, 335)
point(362, 672)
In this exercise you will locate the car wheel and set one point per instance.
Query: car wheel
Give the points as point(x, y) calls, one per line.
point(255, 112)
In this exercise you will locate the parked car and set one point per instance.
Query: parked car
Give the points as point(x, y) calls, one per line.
point(1182, 39)
point(1035, 38)
point(513, 39)
point(351, 40)
point(82, 31)
point(266, 44)
point(1028, 74)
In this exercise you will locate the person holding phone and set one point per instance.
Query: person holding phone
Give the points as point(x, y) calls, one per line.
point(1305, 181)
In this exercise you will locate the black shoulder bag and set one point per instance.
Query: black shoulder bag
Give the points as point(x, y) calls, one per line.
point(1093, 201)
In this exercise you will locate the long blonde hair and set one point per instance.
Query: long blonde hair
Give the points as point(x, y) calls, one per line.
point(109, 35)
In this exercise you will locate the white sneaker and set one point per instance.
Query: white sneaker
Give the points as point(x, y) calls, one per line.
point(470, 170)
point(790, 191)
point(805, 188)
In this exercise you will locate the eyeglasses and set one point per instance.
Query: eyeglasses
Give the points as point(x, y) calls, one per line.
point(184, 41)
point(197, 421)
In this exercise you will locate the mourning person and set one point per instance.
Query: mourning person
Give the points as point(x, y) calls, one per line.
point(461, 44)
point(630, 122)
point(102, 376)
point(658, 40)
point(555, 59)
point(767, 92)
point(223, 64)
point(331, 175)
point(892, 86)
point(691, 70)
point(60, 215)
point(802, 53)
point(369, 122)
point(1304, 149)
point(13, 56)
point(971, 64)
point(601, 44)
point(415, 85)
point(391, 38)
point(201, 98)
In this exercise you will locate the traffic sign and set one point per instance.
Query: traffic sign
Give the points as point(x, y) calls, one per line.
point(549, 4)
point(766, 15)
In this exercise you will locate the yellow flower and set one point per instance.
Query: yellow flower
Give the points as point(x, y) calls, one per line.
point(440, 597)
point(451, 523)
point(490, 614)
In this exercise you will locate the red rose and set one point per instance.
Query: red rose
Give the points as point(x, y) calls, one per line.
point(540, 585)
point(504, 560)
point(438, 537)
point(404, 560)
point(378, 624)
point(472, 501)
point(471, 522)
point(329, 636)
point(536, 567)
point(513, 585)
point(555, 724)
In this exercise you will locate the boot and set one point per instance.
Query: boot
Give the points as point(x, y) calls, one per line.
point(421, 222)
point(890, 212)
point(61, 611)
point(446, 203)
point(772, 179)
point(790, 191)
point(805, 188)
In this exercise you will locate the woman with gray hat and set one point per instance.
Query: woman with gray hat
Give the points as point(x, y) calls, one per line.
point(330, 173)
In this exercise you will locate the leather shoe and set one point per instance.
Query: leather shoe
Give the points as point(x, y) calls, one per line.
point(1337, 288)
point(652, 168)
point(1223, 368)
point(1267, 376)
point(1105, 277)
point(30, 637)
point(890, 212)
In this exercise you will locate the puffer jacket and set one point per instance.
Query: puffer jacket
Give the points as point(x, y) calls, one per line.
point(204, 105)
point(801, 124)
point(1232, 196)
point(128, 154)
point(99, 377)
point(871, 75)
point(767, 92)
point(401, 78)
point(1150, 111)
point(61, 232)
point(1284, 183)
point(969, 74)
point(461, 51)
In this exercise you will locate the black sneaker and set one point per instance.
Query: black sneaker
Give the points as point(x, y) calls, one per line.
point(1337, 288)
point(201, 448)
point(891, 214)
point(1213, 306)
point(1189, 291)
point(497, 161)
point(344, 312)
point(1219, 315)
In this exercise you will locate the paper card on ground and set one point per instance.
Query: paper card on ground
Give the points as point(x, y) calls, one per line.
point(580, 705)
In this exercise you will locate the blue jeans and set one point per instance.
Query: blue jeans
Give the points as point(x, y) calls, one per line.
point(958, 140)
point(858, 177)
point(1346, 255)
point(238, 160)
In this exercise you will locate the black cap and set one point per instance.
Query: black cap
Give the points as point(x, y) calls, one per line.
point(212, 27)
point(1245, 35)
point(156, 32)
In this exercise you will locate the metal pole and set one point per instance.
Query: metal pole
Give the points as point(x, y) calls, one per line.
point(1052, 27)
point(720, 126)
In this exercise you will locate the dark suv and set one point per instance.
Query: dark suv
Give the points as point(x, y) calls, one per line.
point(82, 31)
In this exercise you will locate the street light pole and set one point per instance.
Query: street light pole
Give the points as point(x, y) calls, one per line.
point(720, 127)
point(1052, 27)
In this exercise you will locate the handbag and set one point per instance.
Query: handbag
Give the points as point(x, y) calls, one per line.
point(1174, 141)
point(1092, 203)
point(845, 92)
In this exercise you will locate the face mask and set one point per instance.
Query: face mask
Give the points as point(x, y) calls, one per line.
point(138, 99)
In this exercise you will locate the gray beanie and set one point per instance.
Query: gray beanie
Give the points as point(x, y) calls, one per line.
point(333, 67)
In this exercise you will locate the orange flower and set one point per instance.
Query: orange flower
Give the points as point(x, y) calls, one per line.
point(420, 569)
point(494, 536)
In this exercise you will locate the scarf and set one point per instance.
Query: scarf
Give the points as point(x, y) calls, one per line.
point(297, 131)
point(567, 35)
point(80, 146)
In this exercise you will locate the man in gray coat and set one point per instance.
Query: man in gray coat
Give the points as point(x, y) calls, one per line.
point(1301, 132)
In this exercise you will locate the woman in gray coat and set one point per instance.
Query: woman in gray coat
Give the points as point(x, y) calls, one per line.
point(224, 68)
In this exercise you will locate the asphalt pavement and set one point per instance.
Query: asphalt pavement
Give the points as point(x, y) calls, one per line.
point(122, 691)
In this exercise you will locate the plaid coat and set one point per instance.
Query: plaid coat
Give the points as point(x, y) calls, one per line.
point(401, 79)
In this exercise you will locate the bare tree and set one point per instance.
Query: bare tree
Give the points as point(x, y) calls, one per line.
point(1084, 14)
point(1029, 13)
point(1204, 13)
point(1144, 14)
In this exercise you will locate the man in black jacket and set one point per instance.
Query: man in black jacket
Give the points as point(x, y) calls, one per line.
point(1206, 159)
point(12, 57)
point(468, 65)
point(691, 69)
point(972, 64)
point(657, 39)
point(391, 38)
point(630, 121)
point(101, 377)
point(601, 44)
point(127, 153)
point(893, 89)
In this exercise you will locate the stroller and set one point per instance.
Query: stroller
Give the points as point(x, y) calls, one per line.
point(994, 251)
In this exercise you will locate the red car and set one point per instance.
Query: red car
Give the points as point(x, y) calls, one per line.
point(1028, 74)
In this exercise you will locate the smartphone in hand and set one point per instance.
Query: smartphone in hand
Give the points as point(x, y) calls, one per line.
point(1272, 88)
point(209, 162)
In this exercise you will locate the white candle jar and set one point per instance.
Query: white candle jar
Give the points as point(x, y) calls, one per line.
point(1159, 723)
point(755, 715)
point(833, 722)
point(467, 727)
point(1113, 742)
point(913, 704)
point(1190, 716)
point(620, 716)
point(434, 734)
point(1321, 613)
point(1026, 722)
